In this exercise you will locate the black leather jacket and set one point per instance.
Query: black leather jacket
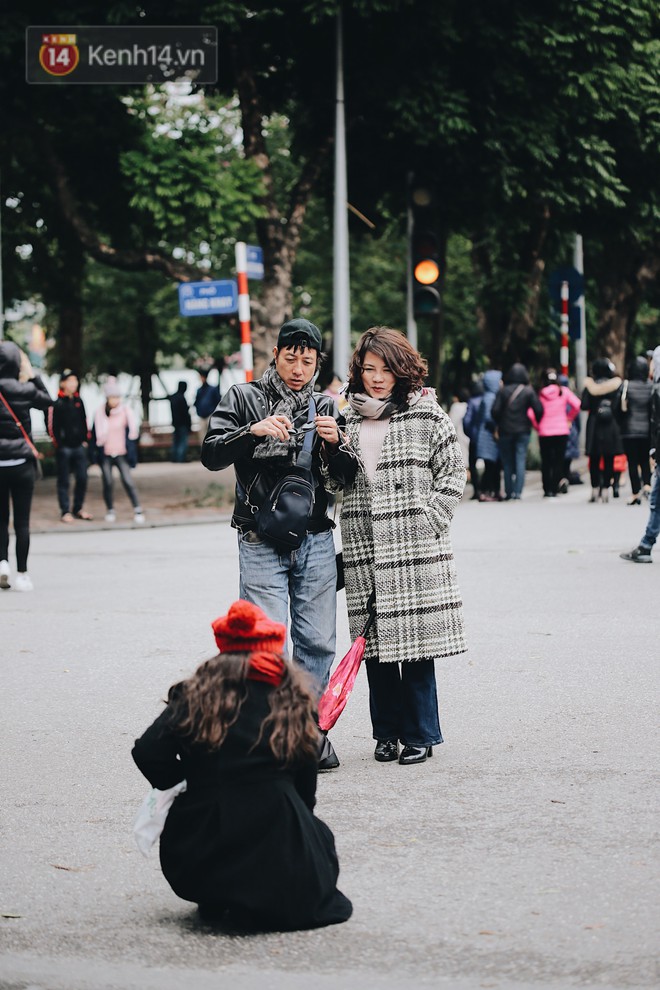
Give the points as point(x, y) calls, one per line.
point(228, 441)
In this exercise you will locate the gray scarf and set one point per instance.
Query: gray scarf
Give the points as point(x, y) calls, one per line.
point(282, 401)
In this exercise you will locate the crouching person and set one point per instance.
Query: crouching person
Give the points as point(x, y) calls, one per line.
point(242, 841)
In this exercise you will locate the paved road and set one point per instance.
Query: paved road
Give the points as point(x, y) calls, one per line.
point(520, 856)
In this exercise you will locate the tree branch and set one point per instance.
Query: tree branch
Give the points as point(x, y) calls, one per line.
point(145, 259)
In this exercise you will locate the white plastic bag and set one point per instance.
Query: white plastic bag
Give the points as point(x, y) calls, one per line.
point(151, 817)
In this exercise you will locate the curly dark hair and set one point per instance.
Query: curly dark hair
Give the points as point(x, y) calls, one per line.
point(206, 705)
point(399, 355)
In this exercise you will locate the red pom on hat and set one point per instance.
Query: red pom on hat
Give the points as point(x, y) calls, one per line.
point(246, 629)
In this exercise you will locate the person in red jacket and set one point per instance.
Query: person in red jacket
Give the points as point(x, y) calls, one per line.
point(560, 407)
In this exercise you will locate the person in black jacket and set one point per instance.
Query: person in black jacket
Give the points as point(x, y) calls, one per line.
point(67, 426)
point(601, 398)
point(242, 841)
point(635, 425)
point(510, 413)
point(20, 391)
point(641, 554)
point(256, 428)
point(181, 423)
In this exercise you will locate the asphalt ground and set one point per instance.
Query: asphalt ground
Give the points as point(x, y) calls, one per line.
point(523, 855)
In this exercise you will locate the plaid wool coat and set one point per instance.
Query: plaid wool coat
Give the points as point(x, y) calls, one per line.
point(395, 537)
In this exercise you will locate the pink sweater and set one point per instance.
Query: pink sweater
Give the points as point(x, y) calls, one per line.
point(560, 407)
point(111, 430)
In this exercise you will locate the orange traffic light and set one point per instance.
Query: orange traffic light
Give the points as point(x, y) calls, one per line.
point(426, 271)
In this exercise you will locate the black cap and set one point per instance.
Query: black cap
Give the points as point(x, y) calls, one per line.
point(300, 333)
point(68, 373)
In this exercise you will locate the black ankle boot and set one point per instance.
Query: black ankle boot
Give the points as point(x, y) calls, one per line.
point(386, 750)
point(415, 754)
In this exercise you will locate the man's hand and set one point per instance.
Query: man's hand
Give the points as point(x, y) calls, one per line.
point(273, 426)
point(327, 429)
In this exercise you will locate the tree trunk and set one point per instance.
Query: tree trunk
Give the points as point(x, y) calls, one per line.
point(619, 300)
point(69, 305)
point(147, 333)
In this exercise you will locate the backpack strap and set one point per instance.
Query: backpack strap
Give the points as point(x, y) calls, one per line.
point(304, 459)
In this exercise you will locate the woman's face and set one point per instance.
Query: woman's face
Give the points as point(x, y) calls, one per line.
point(113, 401)
point(377, 379)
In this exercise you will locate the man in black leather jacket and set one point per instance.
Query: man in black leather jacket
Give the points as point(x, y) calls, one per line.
point(255, 428)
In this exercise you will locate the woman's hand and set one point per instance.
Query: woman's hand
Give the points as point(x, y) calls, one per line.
point(25, 372)
point(327, 429)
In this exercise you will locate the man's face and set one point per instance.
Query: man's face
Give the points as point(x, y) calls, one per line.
point(70, 385)
point(295, 368)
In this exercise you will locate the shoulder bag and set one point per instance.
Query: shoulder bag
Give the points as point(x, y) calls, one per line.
point(38, 458)
point(283, 517)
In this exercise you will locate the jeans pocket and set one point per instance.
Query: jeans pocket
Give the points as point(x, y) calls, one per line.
point(252, 538)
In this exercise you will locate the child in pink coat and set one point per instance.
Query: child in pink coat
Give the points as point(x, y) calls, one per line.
point(560, 407)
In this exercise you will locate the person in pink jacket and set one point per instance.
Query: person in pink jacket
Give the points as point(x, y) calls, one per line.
point(560, 407)
point(116, 434)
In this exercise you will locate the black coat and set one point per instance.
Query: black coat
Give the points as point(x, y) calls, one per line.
point(512, 402)
point(21, 396)
point(243, 836)
point(603, 438)
point(67, 422)
point(228, 441)
point(635, 421)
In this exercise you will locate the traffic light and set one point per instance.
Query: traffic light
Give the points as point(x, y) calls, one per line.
point(424, 248)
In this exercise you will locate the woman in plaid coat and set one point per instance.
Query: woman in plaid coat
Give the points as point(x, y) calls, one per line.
point(395, 535)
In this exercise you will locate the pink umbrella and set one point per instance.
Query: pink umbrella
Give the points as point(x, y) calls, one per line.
point(334, 698)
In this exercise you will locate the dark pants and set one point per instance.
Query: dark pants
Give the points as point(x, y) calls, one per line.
point(472, 465)
point(124, 473)
point(180, 444)
point(601, 479)
point(403, 702)
point(17, 482)
point(552, 462)
point(71, 460)
point(637, 452)
point(490, 479)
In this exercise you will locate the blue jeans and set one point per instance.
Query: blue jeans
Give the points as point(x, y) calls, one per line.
point(304, 581)
point(513, 454)
point(403, 702)
point(653, 525)
point(71, 460)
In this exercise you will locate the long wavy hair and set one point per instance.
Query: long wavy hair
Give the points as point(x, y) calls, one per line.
point(407, 364)
point(206, 705)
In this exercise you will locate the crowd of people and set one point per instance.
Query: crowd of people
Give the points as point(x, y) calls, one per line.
point(495, 422)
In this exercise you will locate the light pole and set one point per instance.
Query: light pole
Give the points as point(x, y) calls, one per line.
point(341, 285)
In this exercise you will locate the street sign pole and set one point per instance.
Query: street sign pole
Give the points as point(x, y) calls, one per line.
point(244, 309)
point(563, 351)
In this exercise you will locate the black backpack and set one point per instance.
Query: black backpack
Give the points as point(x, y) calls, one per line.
point(283, 517)
point(605, 413)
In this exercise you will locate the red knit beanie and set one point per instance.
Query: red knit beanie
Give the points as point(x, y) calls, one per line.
point(246, 629)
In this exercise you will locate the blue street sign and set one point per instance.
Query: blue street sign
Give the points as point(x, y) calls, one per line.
point(575, 281)
point(575, 285)
point(208, 298)
point(255, 262)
